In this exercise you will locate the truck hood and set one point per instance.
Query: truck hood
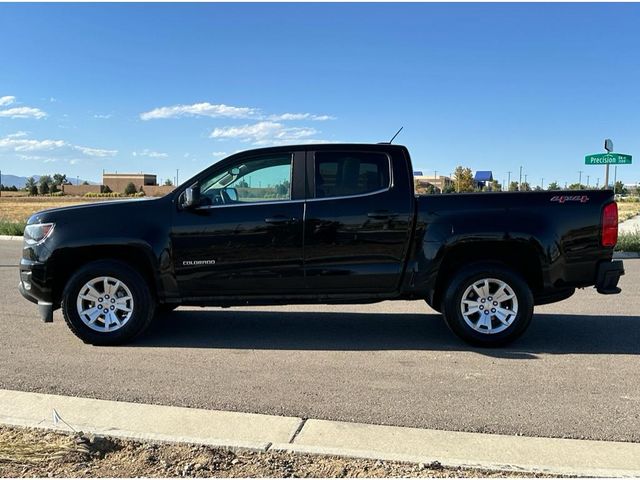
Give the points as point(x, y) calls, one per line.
point(111, 209)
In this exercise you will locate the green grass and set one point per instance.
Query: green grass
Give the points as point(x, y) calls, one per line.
point(11, 228)
point(629, 242)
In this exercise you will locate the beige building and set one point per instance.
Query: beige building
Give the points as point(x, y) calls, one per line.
point(117, 182)
point(439, 182)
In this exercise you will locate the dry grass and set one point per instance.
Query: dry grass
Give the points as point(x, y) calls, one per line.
point(19, 209)
point(627, 210)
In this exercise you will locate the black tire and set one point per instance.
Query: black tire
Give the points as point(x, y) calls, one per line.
point(143, 303)
point(464, 279)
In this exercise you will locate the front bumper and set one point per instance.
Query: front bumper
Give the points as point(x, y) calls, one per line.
point(34, 287)
point(608, 275)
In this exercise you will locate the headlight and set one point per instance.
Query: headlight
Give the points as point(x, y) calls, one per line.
point(37, 233)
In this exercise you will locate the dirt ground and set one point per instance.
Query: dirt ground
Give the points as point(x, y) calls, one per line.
point(40, 453)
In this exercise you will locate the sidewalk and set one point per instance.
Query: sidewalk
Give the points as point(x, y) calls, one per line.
point(291, 434)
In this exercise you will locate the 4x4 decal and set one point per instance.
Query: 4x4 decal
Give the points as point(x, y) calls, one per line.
point(570, 198)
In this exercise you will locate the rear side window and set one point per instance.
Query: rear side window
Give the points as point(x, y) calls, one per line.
point(340, 174)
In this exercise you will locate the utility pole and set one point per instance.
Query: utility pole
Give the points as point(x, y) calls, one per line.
point(435, 178)
point(520, 179)
point(0, 183)
point(598, 182)
point(509, 180)
point(580, 177)
point(542, 183)
point(525, 178)
point(587, 181)
point(177, 177)
point(615, 178)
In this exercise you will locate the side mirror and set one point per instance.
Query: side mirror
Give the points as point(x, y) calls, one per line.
point(191, 196)
point(232, 193)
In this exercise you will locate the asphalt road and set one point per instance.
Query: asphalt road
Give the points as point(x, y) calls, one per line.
point(575, 373)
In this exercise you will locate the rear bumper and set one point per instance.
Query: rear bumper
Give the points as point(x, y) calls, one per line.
point(607, 277)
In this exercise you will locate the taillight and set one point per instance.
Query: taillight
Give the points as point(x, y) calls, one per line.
point(609, 236)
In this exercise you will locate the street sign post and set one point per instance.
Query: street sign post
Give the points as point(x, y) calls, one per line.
point(606, 159)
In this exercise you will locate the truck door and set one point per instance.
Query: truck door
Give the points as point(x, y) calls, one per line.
point(245, 235)
point(358, 220)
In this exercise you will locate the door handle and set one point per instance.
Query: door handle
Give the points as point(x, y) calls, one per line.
point(278, 220)
point(381, 215)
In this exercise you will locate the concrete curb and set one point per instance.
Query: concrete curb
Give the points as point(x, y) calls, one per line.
point(625, 255)
point(11, 238)
point(292, 434)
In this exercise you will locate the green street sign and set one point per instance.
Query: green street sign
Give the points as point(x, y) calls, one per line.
point(607, 159)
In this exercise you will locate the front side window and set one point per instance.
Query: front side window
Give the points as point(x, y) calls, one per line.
point(258, 179)
point(340, 174)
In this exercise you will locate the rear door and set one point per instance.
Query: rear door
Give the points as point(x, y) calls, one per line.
point(358, 220)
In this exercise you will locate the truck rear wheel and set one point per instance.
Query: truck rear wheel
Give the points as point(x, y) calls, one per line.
point(107, 303)
point(488, 304)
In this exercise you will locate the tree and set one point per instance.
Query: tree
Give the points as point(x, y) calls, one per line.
point(54, 188)
point(44, 184)
point(577, 186)
point(553, 186)
point(513, 187)
point(619, 188)
point(495, 186)
point(168, 183)
point(539, 188)
point(282, 189)
point(449, 188)
point(31, 186)
point(242, 184)
point(103, 188)
point(85, 183)
point(464, 179)
point(130, 189)
point(59, 179)
point(525, 187)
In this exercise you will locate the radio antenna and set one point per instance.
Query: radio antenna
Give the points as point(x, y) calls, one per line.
point(394, 137)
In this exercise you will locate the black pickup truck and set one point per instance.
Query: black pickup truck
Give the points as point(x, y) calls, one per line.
point(319, 224)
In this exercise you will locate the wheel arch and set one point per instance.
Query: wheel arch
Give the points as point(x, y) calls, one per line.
point(521, 257)
point(69, 260)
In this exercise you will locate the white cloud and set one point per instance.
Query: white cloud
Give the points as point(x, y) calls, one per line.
point(22, 112)
point(301, 116)
point(149, 153)
point(218, 154)
point(95, 152)
point(7, 100)
point(103, 115)
point(19, 142)
point(204, 109)
point(264, 133)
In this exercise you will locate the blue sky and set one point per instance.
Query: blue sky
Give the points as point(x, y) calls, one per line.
point(155, 87)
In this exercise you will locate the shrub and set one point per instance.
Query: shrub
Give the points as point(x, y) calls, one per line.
point(130, 189)
point(11, 228)
point(629, 242)
point(102, 195)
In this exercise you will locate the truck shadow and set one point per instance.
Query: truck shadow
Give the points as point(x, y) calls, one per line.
point(263, 330)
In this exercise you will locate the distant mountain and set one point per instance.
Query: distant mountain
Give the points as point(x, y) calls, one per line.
point(16, 181)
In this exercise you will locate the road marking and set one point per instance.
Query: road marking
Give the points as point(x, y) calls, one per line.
point(269, 432)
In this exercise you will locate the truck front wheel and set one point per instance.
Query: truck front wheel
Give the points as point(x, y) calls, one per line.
point(107, 303)
point(488, 304)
